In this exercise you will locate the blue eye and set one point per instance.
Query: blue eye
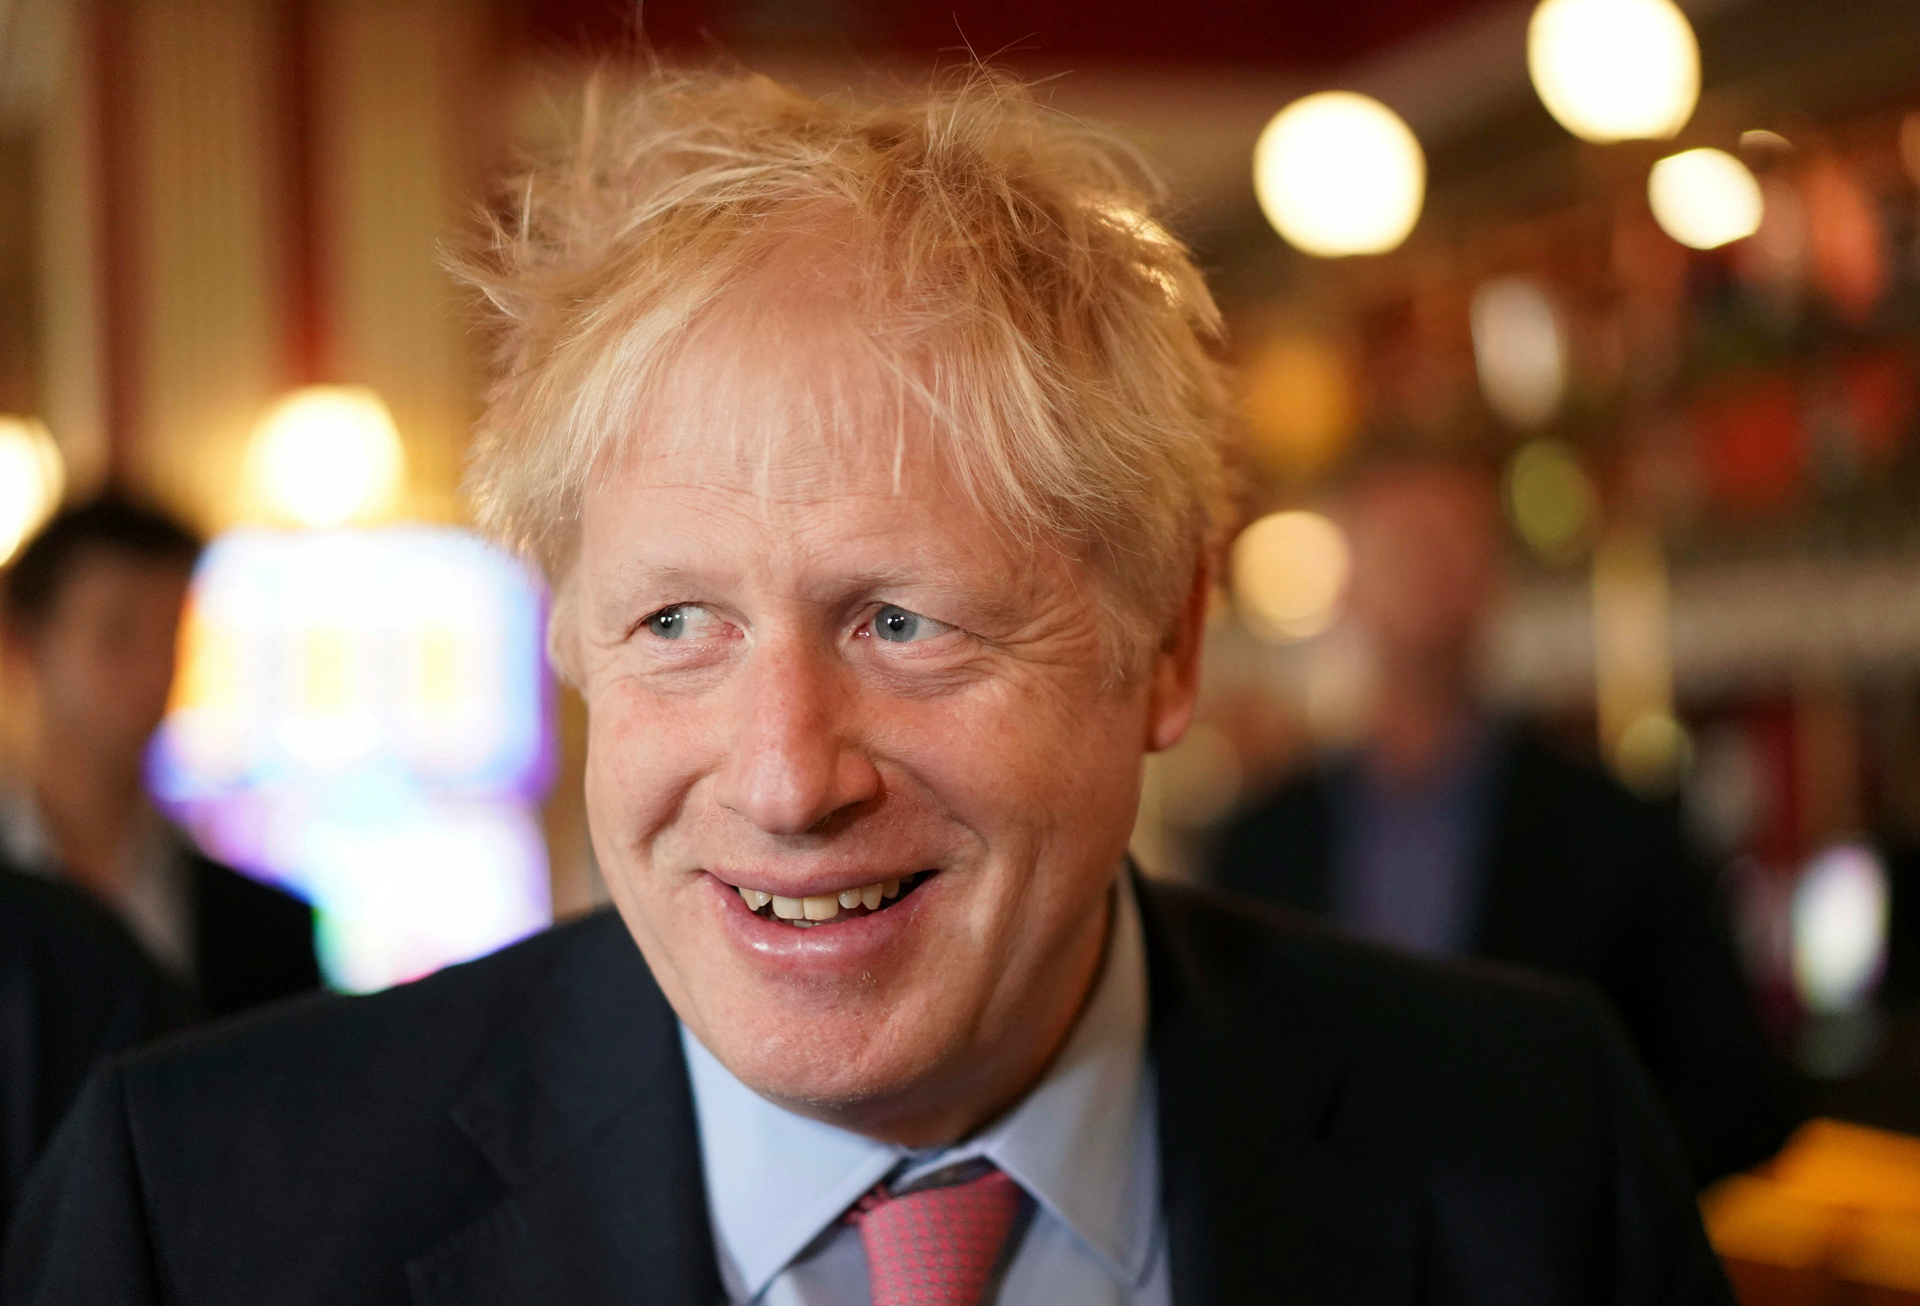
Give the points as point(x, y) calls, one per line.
point(669, 623)
point(899, 626)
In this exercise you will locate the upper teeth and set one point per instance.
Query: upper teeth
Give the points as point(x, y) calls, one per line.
point(824, 906)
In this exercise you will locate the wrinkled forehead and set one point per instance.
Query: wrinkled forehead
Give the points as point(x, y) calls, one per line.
point(796, 384)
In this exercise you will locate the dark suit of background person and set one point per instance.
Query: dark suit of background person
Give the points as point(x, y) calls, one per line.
point(249, 942)
point(93, 607)
point(253, 944)
point(74, 990)
point(1578, 878)
point(1338, 1125)
point(1450, 833)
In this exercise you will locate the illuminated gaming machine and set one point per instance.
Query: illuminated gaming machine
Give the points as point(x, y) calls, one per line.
point(362, 717)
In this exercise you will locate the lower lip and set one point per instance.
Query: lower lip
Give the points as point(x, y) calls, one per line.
point(848, 945)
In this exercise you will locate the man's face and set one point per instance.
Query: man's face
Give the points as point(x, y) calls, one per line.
point(1426, 561)
point(103, 657)
point(818, 670)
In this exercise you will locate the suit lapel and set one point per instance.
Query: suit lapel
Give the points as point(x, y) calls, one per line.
point(585, 1112)
point(1266, 1196)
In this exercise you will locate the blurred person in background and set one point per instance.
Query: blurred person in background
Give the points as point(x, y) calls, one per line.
point(75, 988)
point(873, 454)
point(93, 608)
point(1449, 832)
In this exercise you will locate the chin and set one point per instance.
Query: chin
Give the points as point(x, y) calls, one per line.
point(823, 1067)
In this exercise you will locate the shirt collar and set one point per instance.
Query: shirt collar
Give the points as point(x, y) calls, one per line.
point(23, 835)
point(155, 902)
point(1082, 1142)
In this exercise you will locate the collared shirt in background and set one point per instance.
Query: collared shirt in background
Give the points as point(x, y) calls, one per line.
point(1412, 854)
point(1083, 1144)
point(157, 902)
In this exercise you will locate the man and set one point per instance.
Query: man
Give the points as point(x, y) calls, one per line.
point(873, 454)
point(74, 990)
point(93, 614)
point(1451, 833)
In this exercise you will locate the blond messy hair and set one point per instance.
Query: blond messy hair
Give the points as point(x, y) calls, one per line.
point(1010, 275)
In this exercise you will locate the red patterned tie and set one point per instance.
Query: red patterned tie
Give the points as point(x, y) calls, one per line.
point(936, 1246)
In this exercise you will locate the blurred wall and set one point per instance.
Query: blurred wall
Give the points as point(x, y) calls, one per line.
point(235, 196)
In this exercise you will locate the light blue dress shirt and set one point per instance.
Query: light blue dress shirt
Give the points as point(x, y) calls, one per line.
point(1083, 1144)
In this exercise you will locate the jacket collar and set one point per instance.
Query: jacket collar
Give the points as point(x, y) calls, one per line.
point(583, 1109)
point(1267, 1193)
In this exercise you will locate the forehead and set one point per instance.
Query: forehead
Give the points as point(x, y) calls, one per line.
point(785, 445)
point(790, 392)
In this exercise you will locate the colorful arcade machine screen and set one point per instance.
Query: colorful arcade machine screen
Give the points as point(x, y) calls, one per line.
point(363, 717)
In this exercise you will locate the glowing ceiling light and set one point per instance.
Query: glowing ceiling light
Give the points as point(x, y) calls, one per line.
point(1551, 499)
point(1519, 350)
point(1338, 173)
point(326, 455)
point(1839, 916)
point(1705, 198)
point(32, 478)
point(1615, 70)
point(1289, 571)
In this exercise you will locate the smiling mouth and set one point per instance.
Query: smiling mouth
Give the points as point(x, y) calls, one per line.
point(848, 904)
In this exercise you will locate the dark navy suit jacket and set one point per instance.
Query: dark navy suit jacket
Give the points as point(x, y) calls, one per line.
point(1337, 1125)
point(74, 990)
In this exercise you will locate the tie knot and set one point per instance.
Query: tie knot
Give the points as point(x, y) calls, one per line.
point(939, 1243)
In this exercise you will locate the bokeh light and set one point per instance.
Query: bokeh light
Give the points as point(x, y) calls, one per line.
point(32, 479)
point(1705, 198)
point(1839, 928)
point(1652, 754)
point(327, 455)
point(1289, 573)
point(1519, 350)
point(1550, 499)
point(1777, 253)
point(1339, 173)
point(1615, 70)
point(1633, 660)
point(1299, 402)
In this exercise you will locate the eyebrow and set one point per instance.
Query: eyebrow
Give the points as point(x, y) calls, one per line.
point(992, 602)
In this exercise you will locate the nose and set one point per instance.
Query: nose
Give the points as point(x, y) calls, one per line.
point(794, 759)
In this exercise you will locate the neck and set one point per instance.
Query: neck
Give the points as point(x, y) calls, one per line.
point(1418, 710)
point(89, 804)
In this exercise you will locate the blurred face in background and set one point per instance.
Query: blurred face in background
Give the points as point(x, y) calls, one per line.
point(102, 658)
point(816, 672)
point(1426, 562)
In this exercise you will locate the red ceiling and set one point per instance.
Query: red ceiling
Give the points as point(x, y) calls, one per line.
point(1278, 34)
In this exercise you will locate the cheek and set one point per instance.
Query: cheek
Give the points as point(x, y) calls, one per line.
point(1035, 763)
point(642, 756)
point(69, 675)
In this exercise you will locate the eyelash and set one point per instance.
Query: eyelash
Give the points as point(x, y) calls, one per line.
point(867, 629)
point(645, 624)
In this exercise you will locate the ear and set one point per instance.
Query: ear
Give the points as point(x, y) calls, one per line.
point(1174, 686)
point(563, 629)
